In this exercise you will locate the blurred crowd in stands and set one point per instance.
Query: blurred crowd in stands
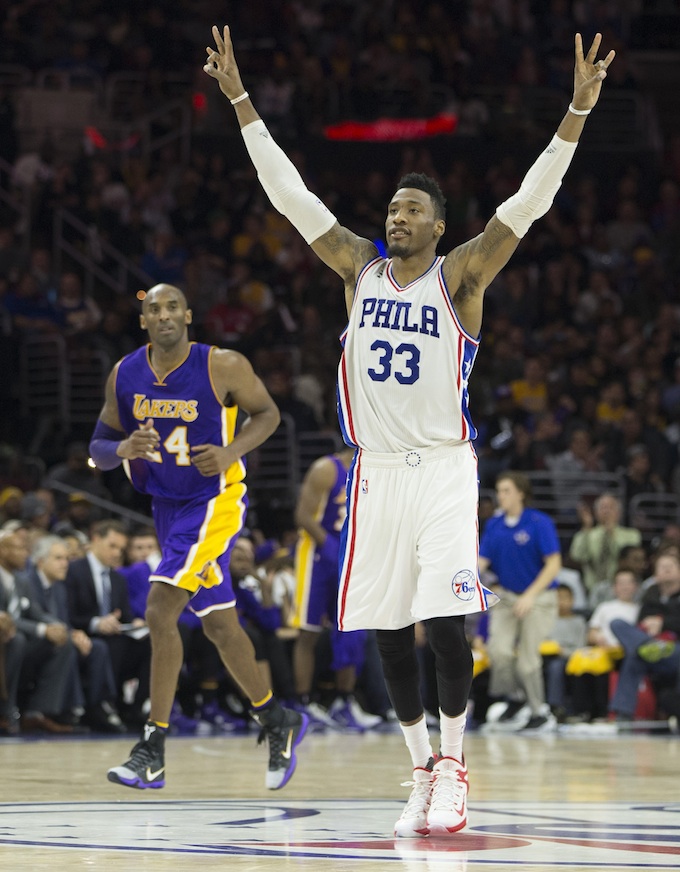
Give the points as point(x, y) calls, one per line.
point(579, 367)
point(75, 654)
point(74, 646)
point(580, 360)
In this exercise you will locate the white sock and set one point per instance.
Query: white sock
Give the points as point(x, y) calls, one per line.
point(418, 742)
point(452, 730)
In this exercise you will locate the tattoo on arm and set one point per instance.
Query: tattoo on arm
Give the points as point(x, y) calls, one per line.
point(348, 251)
point(495, 235)
point(335, 240)
point(363, 251)
point(476, 262)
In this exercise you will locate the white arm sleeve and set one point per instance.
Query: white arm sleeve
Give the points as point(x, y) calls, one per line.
point(283, 184)
point(538, 187)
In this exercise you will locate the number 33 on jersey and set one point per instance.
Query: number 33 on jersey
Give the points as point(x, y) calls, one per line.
point(398, 337)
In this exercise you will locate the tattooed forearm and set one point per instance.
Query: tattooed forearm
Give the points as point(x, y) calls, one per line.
point(335, 240)
point(496, 234)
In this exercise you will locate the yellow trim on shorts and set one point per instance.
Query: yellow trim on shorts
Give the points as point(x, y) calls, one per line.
point(304, 565)
point(223, 521)
point(237, 471)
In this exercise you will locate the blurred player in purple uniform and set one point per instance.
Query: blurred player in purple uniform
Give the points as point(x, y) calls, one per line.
point(320, 513)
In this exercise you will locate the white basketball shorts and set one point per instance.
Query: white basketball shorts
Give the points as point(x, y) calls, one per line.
point(410, 543)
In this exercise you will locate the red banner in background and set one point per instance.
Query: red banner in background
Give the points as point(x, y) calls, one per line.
point(392, 129)
point(97, 140)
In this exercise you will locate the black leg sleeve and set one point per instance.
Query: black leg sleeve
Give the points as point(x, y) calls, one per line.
point(453, 660)
point(400, 668)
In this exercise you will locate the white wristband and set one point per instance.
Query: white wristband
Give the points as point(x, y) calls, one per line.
point(571, 109)
point(243, 96)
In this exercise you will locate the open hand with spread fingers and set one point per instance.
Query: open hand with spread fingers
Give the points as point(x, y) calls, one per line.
point(589, 74)
point(221, 64)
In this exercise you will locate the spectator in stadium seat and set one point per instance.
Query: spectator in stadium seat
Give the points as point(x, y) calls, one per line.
point(597, 545)
point(99, 605)
point(650, 647)
point(46, 573)
point(40, 659)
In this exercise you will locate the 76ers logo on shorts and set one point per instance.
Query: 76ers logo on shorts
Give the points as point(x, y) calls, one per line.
point(464, 585)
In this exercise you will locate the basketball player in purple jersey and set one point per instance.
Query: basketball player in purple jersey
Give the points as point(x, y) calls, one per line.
point(320, 514)
point(409, 550)
point(169, 417)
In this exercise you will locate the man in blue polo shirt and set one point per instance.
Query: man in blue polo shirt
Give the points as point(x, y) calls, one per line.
point(521, 547)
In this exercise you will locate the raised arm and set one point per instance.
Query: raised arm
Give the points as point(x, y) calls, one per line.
point(471, 267)
point(339, 248)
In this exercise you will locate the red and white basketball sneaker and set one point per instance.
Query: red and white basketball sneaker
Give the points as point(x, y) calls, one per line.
point(448, 804)
point(413, 821)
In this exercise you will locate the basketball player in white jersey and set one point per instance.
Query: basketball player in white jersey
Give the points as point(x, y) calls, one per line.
point(409, 550)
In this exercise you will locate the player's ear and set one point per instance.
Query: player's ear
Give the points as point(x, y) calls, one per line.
point(439, 228)
point(188, 317)
point(142, 322)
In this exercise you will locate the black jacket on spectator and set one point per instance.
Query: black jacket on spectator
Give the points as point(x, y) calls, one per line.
point(130, 658)
point(40, 672)
point(82, 595)
point(54, 600)
point(652, 604)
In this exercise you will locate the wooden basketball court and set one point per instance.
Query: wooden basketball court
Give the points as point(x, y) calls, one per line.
point(541, 803)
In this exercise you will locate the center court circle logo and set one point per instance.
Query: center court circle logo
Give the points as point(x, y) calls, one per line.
point(464, 585)
point(567, 835)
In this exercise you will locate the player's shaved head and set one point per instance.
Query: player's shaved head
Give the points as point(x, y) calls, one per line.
point(163, 291)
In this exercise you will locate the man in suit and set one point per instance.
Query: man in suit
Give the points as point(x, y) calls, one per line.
point(40, 659)
point(45, 574)
point(99, 605)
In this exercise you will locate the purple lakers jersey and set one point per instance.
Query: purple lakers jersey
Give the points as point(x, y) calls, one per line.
point(186, 411)
point(335, 509)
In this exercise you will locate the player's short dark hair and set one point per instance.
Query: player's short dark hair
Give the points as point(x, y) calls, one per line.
point(421, 182)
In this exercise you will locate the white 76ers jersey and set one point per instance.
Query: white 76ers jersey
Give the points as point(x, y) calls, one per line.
point(403, 375)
